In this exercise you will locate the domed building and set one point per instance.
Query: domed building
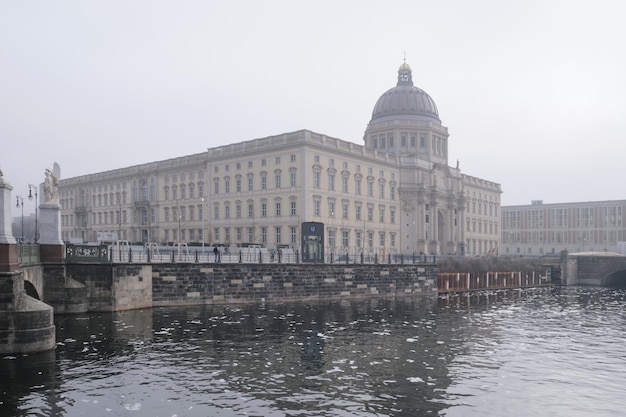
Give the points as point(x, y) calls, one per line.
point(396, 194)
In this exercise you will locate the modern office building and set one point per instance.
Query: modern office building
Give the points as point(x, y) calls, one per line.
point(537, 229)
point(396, 193)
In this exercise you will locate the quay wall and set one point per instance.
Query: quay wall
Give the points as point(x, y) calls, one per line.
point(175, 284)
point(114, 287)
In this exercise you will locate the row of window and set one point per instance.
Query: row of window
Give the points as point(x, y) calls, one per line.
point(610, 237)
point(250, 164)
point(484, 208)
point(564, 217)
point(261, 235)
point(480, 226)
point(183, 191)
point(238, 184)
point(185, 176)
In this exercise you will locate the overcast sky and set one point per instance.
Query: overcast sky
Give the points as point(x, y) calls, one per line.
point(533, 92)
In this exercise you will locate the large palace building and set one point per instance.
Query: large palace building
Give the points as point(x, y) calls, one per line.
point(396, 193)
point(537, 229)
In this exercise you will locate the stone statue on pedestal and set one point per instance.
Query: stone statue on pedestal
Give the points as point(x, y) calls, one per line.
point(51, 185)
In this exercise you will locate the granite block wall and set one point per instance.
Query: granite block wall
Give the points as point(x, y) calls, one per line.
point(184, 284)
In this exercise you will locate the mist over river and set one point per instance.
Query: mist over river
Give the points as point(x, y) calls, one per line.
point(532, 352)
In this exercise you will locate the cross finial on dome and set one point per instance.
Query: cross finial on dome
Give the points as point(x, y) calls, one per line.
point(405, 76)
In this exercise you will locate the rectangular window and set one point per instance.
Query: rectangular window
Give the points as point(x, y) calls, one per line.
point(331, 182)
point(264, 234)
point(316, 179)
point(250, 210)
point(216, 233)
point(279, 232)
point(263, 183)
point(227, 212)
point(277, 208)
point(250, 184)
point(294, 235)
point(263, 209)
point(344, 184)
point(316, 208)
point(292, 179)
point(345, 238)
point(277, 181)
point(358, 186)
point(216, 213)
point(294, 211)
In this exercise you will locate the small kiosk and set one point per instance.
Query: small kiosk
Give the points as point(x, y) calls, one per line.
point(313, 242)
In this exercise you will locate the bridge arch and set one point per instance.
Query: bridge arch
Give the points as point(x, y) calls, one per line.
point(31, 290)
point(615, 279)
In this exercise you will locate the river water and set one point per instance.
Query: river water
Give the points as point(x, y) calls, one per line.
point(534, 352)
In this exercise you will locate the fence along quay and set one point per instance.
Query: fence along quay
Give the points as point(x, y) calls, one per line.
point(239, 277)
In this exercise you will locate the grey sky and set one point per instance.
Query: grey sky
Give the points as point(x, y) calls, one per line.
point(533, 92)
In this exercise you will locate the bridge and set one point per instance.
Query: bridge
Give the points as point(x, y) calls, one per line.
point(594, 268)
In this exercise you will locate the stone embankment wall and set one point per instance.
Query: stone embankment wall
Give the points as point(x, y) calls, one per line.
point(177, 284)
point(112, 287)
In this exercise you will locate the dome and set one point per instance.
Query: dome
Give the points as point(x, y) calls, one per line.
point(405, 101)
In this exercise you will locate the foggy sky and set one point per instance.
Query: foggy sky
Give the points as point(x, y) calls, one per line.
point(533, 92)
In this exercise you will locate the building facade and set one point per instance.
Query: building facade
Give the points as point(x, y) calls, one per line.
point(394, 194)
point(537, 229)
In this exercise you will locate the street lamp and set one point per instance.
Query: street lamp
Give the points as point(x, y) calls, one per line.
point(203, 214)
point(30, 197)
point(20, 201)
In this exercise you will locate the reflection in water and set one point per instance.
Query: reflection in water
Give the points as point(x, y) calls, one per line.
point(482, 353)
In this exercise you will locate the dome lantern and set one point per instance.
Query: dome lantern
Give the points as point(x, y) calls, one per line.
point(405, 101)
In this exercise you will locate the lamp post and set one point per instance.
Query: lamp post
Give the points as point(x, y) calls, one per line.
point(203, 214)
point(30, 197)
point(20, 201)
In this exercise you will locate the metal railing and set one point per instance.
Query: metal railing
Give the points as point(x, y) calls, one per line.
point(28, 253)
point(257, 255)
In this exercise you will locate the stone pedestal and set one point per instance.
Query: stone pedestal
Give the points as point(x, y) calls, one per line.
point(8, 245)
point(26, 324)
point(51, 246)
